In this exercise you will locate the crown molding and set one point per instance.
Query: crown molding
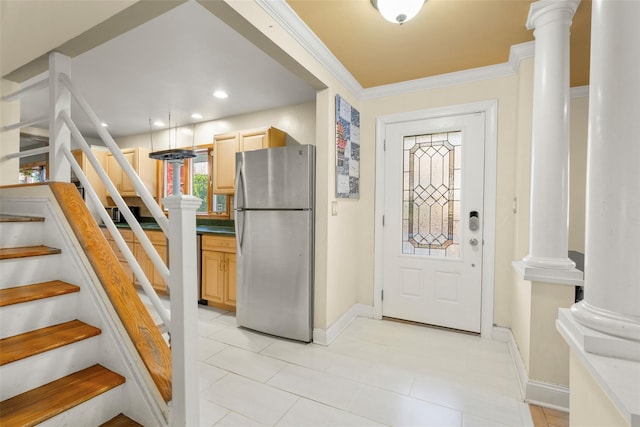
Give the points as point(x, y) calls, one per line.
point(282, 13)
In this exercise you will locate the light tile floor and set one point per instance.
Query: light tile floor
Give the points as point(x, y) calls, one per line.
point(376, 372)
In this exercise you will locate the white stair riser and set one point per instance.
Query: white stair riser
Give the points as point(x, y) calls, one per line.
point(28, 316)
point(93, 412)
point(40, 369)
point(15, 234)
point(26, 271)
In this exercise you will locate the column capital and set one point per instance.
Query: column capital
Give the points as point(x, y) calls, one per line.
point(551, 10)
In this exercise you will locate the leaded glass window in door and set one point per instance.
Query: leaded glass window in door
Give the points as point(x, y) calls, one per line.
point(431, 194)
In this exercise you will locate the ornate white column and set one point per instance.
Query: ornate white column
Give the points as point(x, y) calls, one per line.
point(612, 281)
point(548, 260)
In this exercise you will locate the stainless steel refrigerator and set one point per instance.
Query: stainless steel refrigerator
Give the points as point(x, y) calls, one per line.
point(274, 218)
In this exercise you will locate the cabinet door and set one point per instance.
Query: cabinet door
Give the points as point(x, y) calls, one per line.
point(158, 282)
point(126, 186)
point(230, 285)
point(213, 276)
point(114, 172)
point(144, 261)
point(225, 148)
point(250, 141)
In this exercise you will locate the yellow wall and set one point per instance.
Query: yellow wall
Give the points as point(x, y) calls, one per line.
point(589, 405)
point(503, 89)
point(578, 171)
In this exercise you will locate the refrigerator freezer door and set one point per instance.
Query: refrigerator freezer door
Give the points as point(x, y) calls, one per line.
point(276, 178)
point(275, 273)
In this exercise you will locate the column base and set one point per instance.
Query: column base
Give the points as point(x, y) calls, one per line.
point(617, 378)
point(563, 276)
point(551, 263)
point(609, 323)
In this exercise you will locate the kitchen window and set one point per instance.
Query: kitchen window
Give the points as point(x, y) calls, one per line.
point(198, 182)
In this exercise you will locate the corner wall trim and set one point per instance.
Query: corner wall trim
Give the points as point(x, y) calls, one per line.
point(327, 336)
point(536, 392)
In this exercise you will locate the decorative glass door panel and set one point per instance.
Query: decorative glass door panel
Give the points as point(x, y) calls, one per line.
point(431, 194)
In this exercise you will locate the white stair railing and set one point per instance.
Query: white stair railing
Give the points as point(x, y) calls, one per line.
point(181, 233)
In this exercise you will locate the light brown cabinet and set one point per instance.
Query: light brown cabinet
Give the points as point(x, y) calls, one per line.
point(159, 242)
point(145, 167)
point(219, 271)
point(225, 147)
point(91, 174)
point(127, 235)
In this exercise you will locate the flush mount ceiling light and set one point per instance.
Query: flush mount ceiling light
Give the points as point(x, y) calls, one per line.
point(398, 11)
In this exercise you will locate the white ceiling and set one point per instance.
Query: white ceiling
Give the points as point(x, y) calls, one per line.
point(173, 63)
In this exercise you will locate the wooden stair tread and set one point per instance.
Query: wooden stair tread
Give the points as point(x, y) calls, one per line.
point(27, 251)
point(20, 218)
point(35, 342)
point(121, 420)
point(36, 291)
point(40, 404)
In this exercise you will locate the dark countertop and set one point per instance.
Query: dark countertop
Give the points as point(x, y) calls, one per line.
point(215, 227)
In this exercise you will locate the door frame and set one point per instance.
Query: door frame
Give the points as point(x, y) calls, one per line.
point(490, 108)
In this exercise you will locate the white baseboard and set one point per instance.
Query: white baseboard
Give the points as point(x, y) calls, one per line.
point(326, 336)
point(548, 395)
point(535, 392)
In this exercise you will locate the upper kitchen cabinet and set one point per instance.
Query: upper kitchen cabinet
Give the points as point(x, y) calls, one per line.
point(145, 167)
point(90, 173)
point(227, 145)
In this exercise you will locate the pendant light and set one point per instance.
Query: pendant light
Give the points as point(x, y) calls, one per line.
point(172, 154)
point(398, 11)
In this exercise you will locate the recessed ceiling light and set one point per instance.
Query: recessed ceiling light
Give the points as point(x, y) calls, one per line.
point(196, 116)
point(104, 125)
point(220, 94)
point(159, 123)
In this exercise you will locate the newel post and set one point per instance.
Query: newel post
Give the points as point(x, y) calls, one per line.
point(59, 133)
point(185, 409)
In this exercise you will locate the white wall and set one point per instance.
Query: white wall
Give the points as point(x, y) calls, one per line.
point(33, 28)
point(9, 141)
point(298, 121)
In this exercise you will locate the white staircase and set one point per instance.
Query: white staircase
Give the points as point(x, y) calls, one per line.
point(60, 362)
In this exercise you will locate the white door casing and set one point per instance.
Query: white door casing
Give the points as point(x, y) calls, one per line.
point(447, 271)
point(432, 270)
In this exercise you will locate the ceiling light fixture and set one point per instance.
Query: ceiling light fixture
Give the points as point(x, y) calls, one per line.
point(196, 116)
point(398, 11)
point(159, 123)
point(220, 94)
point(104, 125)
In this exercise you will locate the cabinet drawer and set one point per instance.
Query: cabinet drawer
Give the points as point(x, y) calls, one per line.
point(219, 243)
point(126, 234)
point(157, 238)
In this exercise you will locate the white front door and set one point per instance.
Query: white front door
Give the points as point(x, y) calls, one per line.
point(433, 221)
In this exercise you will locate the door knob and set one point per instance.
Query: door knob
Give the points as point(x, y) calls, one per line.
point(473, 242)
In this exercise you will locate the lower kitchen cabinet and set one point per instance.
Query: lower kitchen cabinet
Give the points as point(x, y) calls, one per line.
point(127, 235)
point(159, 242)
point(219, 271)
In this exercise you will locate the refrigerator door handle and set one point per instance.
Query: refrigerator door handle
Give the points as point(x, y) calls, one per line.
point(239, 230)
point(239, 199)
point(239, 205)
